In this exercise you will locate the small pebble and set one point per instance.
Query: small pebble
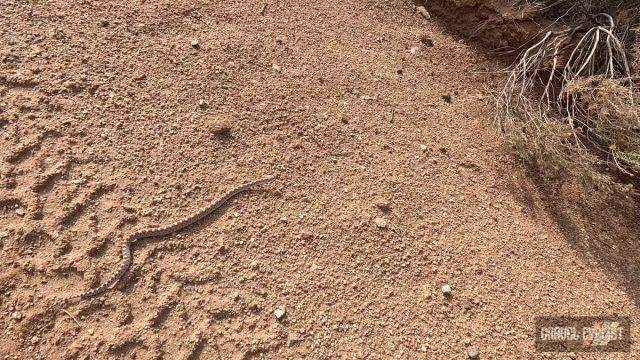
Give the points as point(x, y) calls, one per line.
point(276, 68)
point(220, 127)
point(203, 104)
point(294, 338)
point(423, 11)
point(380, 222)
point(34, 340)
point(383, 205)
point(137, 77)
point(195, 44)
point(473, 352)
point(16, 315)
point(20, 211)
point(423, 147)
point(4, 234)
point(426, 41)
point(446, 290)
point(280, 313)
point(104, 22)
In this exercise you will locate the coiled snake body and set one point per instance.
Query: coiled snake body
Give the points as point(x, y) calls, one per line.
point(170, 229)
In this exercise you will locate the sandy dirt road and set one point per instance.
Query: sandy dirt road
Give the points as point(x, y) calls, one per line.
point(119, 115)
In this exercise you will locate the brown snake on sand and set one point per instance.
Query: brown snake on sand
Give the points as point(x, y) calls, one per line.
point(167, 230)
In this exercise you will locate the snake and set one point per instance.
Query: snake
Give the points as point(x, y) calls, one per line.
point(127, 257)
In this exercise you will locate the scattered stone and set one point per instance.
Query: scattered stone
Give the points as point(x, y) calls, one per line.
point(203, 104)
point(276, 68)
point(91, 331)
point(280, 313)
point(424, 348)
point(423, 11)
point(4, 234)
point(446, 290)
point(195, 44)
point(426, 41)
point(20, 211)
point(423, 147)
point(16, 315)
point(104, 22)
point(220, 127)
point(380, 222)
point(34, 340)
point(473, 352)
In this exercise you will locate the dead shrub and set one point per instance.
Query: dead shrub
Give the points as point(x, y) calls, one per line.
point(569, 105)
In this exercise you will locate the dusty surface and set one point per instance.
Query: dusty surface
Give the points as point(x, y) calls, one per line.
point(111, 119)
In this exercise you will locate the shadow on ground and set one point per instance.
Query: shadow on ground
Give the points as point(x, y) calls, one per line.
point(600, 227)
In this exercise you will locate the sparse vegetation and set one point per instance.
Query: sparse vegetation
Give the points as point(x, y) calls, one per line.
point(570, 105)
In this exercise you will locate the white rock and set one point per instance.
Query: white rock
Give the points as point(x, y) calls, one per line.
point(446, 290)
point(473, 352)
point(294, 338)
point(280, 313)
point(423, 11)
point(16, 315)
point(380, 222)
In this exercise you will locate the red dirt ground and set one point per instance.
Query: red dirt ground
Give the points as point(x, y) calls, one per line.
point(109, 121)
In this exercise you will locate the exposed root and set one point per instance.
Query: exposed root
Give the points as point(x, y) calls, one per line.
point(569, 103)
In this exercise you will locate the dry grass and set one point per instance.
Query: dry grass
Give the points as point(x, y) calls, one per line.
point(569, 106)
